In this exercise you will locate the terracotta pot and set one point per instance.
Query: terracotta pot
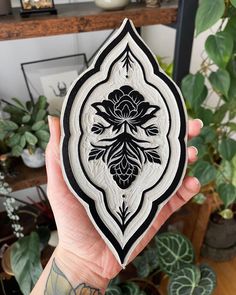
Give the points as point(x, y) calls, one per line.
point(5, 7)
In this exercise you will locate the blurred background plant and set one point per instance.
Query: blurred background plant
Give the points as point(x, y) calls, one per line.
point(216, 79)
point(24, 126)
point(168, 260)
point(210, 95)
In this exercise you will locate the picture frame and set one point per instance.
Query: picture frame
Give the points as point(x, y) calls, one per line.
point(53, 77)
point(29, 7)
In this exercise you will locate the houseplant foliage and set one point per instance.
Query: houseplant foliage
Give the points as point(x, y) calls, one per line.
point(26, 127)
point(172, 254)
point(216, 80)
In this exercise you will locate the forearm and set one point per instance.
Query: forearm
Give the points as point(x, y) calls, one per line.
point(67, 274)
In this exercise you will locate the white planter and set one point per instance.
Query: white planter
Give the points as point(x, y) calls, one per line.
point(35, 160)
point(112, 4)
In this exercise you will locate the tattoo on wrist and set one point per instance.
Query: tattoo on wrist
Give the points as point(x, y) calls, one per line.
point(58, 284)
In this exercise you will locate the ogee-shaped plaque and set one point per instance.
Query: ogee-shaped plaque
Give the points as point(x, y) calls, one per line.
point(123, 140)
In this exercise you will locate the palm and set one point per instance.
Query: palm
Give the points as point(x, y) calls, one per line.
point(76, 232)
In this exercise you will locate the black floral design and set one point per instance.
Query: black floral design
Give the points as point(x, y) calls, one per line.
point(126, 110)
point(123, 212)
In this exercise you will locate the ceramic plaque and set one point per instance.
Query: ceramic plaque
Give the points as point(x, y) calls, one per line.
point(123, 143)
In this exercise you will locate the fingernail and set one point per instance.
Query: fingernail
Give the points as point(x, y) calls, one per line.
point(197, 182)
point(200, 121)
point(195, 149)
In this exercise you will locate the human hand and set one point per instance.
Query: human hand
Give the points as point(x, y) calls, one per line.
point(81, 252)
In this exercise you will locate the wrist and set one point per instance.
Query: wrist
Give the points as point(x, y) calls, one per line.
point(78, 270)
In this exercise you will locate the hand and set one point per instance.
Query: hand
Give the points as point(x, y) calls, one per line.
point(81, 250)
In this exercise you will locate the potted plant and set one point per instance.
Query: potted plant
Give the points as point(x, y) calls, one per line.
point(172, 255)
point(26, 131)
point(211, 96)
point(27, 225)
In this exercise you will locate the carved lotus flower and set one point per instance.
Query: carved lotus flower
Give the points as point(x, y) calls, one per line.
point(125, 105)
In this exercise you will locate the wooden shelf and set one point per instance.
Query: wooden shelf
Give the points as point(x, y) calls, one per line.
point(83, 17)
point(26, 177)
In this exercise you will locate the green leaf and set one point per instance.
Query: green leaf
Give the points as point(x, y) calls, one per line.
point(192, 280)
point(233, 161)
point(224, 172)
point(174, 252)
point(231, 67)
point(29, 105)
point(38, 125)
point(227, 148)
point(13, 110)
point(232, 90)
point(220, 113)
point(22, 141)
point(227, 193)
point(14, 140)
point(204, 171)
point(233, 2)
point(42, 144)
point(208, 13)
point(199, 199)
point(113, 290)
point(194, 89)
point(232, 126)
point(16, 151)
point(206, 115)
point(227, 213)
point(231, 27)
point(2, 134)
point(219, 48)
point(198, 142)
point(40, 115)
point(30, 138)
point(19, 103)
point(142, 266)
point(43, 135)
point(208, 134)
point(220, 81)
point(8, 125)
point(26, 118)
point(130, 288)
point(25, 262)
point(42, 102)
point(146, 262)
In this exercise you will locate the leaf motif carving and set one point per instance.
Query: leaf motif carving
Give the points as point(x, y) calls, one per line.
point(96, 153)
point(151, 130)
point(152, 156)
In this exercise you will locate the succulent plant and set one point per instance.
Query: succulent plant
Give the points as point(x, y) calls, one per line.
point(26, 125)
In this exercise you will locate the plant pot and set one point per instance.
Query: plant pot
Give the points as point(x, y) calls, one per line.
point(5, 7)
point(220, 240)
point(112, 4)
point(35, 160)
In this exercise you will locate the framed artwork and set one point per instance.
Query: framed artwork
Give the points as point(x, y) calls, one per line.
point(37, 6)
point(53, 77)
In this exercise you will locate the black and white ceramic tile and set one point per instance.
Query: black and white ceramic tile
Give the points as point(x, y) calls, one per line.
point(123, 140)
